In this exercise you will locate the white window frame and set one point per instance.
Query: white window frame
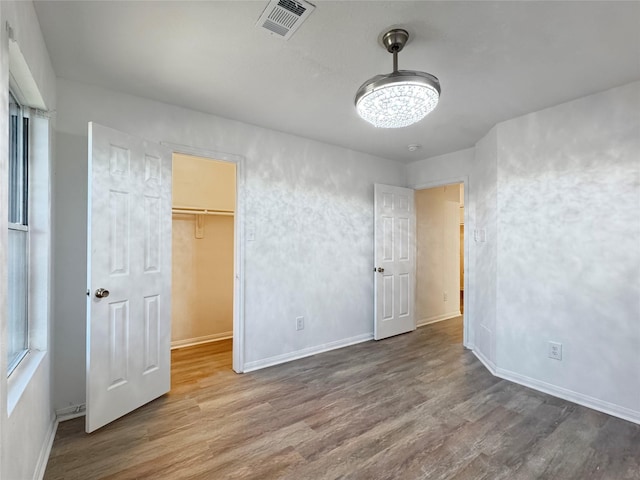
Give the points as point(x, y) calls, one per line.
point(39, 246)
point(22, 226)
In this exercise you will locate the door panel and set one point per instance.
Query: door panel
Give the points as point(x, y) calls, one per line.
point(128, 254)
point(395, 250)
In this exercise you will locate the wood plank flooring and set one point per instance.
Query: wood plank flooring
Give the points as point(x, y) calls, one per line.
point(415, 406)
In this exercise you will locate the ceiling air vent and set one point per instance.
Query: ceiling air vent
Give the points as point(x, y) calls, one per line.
point(284, 17)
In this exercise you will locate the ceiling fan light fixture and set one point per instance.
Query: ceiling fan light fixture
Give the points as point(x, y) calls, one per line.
point(400, 98)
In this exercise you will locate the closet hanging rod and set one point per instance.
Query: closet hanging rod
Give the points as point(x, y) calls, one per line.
point(201, 211)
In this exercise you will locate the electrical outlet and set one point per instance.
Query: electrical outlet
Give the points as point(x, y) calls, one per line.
point(445, 296)
point(299, 323)
point(480, 235)
point(555, 350)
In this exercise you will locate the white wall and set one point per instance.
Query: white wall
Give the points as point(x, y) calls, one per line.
point(441, 170)
point(310, 205)
point(438, 253)
point(485, 177)
point(569, 248)
point(558, 195)
point(26, 433)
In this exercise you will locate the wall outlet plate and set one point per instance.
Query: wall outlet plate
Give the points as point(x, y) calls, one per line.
point(480, 235)
point(555, 350)
point(299, 323)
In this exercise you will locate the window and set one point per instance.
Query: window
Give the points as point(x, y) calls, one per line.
point(18, 248)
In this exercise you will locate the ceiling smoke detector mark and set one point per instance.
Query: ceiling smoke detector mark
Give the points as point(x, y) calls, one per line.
point(284, 17)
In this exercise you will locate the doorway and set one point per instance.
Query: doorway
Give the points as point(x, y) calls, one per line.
point(440, 253)
point(129, 230)
point(203, 263)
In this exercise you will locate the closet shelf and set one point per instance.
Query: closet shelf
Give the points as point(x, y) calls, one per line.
point(201, 211)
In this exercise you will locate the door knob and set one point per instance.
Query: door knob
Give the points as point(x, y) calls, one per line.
point(380, 270)
point(102, 293)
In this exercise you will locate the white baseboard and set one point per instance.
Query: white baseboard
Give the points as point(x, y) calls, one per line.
point(189, 342)
point(560, 392)
point(45, 451)
point(570, 395)
point(305, 352)
point(485, 361)
point(438, 318)
point(70, 412)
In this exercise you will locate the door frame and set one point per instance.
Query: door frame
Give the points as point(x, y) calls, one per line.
point(467, 328)
point(238, 241)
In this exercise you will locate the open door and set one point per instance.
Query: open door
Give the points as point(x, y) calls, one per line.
point(395, 261)
point(128, 274)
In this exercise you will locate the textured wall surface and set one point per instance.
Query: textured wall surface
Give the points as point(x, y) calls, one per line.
point(309, 204)
point(441, 170)
point(485, 176)
point(568, 245)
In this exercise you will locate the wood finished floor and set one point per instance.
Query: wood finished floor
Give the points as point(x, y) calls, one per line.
point(415, 406)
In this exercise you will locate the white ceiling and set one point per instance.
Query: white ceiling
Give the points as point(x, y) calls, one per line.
point(495, 61)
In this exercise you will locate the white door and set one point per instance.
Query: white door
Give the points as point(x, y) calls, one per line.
point(129, 257)
point(395, 261)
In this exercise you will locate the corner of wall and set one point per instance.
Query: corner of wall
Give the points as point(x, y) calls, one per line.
point(566, 250)
point(485, 240)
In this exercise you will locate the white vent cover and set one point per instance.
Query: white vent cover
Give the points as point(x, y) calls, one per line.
point(284, 17)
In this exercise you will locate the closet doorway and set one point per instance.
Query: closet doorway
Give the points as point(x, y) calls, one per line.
point(203, 261)
point(440, 253)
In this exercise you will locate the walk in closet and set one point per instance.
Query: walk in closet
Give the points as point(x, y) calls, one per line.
point(203, 242)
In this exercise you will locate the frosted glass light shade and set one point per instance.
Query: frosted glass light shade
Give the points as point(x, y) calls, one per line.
point(398, 99)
